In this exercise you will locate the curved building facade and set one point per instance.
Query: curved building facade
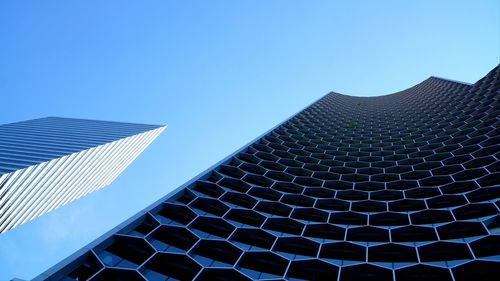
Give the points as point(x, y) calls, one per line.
point(397, 187)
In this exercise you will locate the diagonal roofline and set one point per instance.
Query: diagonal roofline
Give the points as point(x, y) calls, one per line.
point(451, 80)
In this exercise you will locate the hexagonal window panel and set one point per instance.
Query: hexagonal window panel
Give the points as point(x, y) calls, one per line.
point(369, 186)
point(242, 217)
point(332, 204)
point(422, 192)
point(319, 192)
point(487, 246)
point(231, 171)
point(307, 181)
point(118, 274)
point(172, 239)
point(89, 265)
point(392, 253)
point(369, 206)
point(262, 265)
point(476, 270)
point(142, 226)
point(279, 176)
point(444, 251)
point(253, 239)
point(343, 251)
point(461, 229)
point(368, 234)
point(234, 184)
point(273, 208)
point(470, 174)
point(265, 193)
point(284, 225)
point(288, 187)
point(484, 194)
point(446, 201)
point(163, 266)
point(248, 158)
point(325, 231)
point(431, 217)
point(184, 196)
point(413, 233)
point(365, 272)
point(258, 180)
point(338, 185)
point(205, 206)
point(221, 274)
point(389, 219)
point(475, 210)
point(239, 199)
point(423, 272)
point(174, 214)
point(348, 218)
point(312, 270)
point(297, 200)
point(492, 179)
point(207, 188)
point(213, 228)
point(354, 195)
point(299, 172)
point(407, 205)
point(459, 187)
point(272, 166)
point(310, 214)
point(212, 253)
point(296, 247)
point(125, 252)
point(252, 168)
point(402, 185)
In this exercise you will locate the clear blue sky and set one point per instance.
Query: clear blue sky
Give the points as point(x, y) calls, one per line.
point(219, 73)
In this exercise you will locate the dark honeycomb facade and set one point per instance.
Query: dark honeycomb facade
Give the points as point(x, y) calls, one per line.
point(398, 187)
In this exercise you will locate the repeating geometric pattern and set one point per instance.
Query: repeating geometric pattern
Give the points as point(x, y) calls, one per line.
point(396, 187)
point(48, 162)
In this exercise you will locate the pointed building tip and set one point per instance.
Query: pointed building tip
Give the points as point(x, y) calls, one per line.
point(161, 128)
point(45, 157)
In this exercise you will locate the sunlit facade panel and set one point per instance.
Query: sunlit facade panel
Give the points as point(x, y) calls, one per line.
point(46, 163)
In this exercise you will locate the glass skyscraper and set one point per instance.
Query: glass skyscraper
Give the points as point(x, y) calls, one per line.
point(48, 162)
point(397, 187)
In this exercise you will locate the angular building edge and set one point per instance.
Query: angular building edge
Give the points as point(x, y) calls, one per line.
point(73, 260)
point(38, 189)
point(67, 265)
